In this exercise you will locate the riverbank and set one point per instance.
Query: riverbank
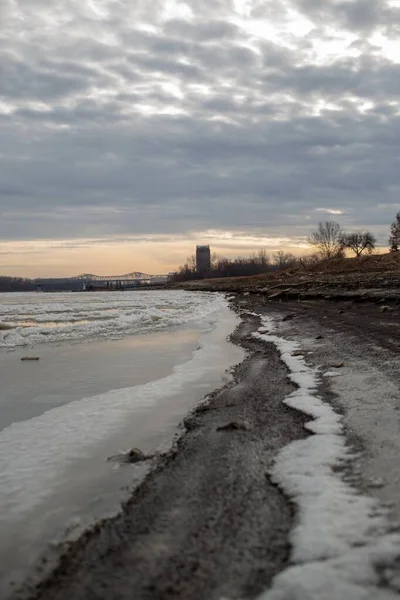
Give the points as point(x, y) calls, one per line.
point(366, 278)
point(215, 520)
point(187, 531)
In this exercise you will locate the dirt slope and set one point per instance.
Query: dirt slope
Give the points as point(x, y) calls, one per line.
point(368, 277)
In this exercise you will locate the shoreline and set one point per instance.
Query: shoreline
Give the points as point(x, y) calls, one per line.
point(64, 481)
point(208, 521)
point(209, 459)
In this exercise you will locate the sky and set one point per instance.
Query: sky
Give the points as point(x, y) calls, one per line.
point(131, 131)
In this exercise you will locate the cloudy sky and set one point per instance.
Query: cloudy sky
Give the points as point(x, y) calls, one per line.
point(132, 130)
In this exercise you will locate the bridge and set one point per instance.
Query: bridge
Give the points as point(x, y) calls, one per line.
point(118, 282)
point(89, 281)
point(134, 276)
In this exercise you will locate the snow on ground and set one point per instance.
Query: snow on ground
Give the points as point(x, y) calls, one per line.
point(341, 548)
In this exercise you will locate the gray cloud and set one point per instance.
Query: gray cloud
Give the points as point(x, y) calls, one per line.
point(135, 119)
point(353, 15)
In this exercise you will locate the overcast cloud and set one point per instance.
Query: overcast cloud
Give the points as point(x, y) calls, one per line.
point(163, 118)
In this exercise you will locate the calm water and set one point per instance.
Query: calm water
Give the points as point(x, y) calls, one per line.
point(116, 370)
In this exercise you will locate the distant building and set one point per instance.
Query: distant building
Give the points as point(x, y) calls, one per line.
point(203, 259)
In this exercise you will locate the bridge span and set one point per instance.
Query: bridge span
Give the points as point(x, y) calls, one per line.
point(119, 282)
point(90, 282)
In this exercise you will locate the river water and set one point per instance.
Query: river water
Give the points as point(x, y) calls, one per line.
point(116, 370)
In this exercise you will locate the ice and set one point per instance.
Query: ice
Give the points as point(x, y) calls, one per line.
point(360, 574)
point(27, 319)
point(33, 453)
point(340, 545)
point(331, 374)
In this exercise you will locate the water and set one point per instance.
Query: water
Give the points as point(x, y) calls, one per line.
point(116, 370)
point(32, 318)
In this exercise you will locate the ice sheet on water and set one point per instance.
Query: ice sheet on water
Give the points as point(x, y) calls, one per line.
point(340, 545)
point(33, 453)
point(28, 319)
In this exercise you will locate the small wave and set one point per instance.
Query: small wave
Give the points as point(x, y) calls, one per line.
point(54, 324)
point(91, 317)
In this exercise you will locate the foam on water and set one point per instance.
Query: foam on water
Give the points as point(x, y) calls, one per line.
point(27, 319)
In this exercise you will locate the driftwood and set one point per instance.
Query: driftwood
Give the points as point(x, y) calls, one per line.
point(132, 456)
point(234, 426)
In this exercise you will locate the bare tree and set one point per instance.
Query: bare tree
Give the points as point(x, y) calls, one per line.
point(221, 266)
point(16, 284)
point(191, 262)
point(263, 258)
point(311, 260)
point(327, 239)
point(358, 241)
point(283, 260)
point(214, 260)
point(394, 239)
point(186, 271)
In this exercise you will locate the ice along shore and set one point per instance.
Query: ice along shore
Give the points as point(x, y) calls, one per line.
point(269, 492)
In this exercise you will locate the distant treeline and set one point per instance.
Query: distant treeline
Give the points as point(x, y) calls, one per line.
point(21, 284)
point(329, 242)
point(256, 264)
point(16, 284)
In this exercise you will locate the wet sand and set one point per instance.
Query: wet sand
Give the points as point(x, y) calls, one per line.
point(208, 523)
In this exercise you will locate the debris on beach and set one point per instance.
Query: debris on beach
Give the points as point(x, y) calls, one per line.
point(190, 422)
point(376, 482)
point(289, 317)
point(203, 407)
point(336, 365)
point(385, 308)
point(133, 455)
point(30, 358)
point(319, 337)
point(233, 426)
point(275, 295)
